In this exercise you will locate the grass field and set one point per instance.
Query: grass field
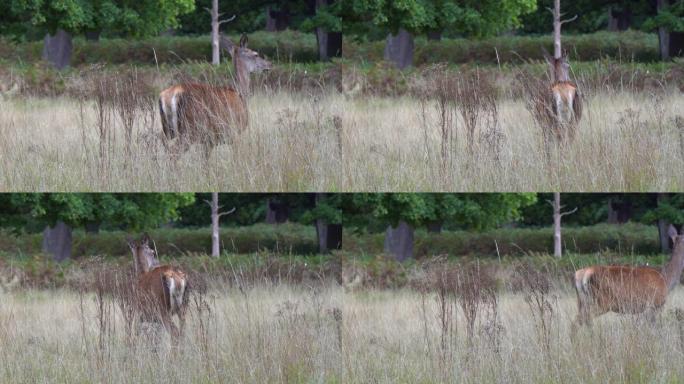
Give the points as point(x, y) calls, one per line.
point(325, 141)
point(320, 333)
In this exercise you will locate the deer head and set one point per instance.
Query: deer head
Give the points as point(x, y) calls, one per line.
point(245, 60)
point(144, 257)
point(672, 271)
point(558, 68)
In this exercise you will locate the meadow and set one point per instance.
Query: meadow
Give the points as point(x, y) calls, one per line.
point(104, 133)
point(283, 332)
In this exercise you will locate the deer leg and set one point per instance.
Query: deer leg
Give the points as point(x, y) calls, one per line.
point(171, 328)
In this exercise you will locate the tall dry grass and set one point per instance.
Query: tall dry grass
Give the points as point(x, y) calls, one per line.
point(261, 334)
point(268, 332)
point(462, 138)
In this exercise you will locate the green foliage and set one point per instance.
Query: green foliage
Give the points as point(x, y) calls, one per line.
point(469, 211)
point(671, 18)
point(296, 239)
point(467, 17)
point(671, 210)
point(130, 18)
point(129, 210)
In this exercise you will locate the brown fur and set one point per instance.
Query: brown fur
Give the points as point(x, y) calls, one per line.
point(161, 290)
point(625, 289)
point(205, 114)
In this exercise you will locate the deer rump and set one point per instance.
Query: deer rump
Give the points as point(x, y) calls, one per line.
point(163, 292)
point(620, 289)
point(561, 106)
point(202, 113)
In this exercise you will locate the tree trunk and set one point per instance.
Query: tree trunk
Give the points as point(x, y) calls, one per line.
point(676, 44)
point(329, 43)
point(92, 35)
point(270, 21)
point(434, 35)
point(276, 212)
point(663, 225)
point(57, 49)
point(329, 235)
point(557, 240)
point(92, 227)
point(612, 213)
point(215, 240)
point(663, 34)
point(435, 227)
point(215, 51)
point(399, 49)
point(399, 241)
point(557, 52)
point(612, 20)
point(57, 241)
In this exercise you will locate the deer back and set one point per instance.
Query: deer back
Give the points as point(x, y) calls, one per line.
point(626, 289)
point(162, 291)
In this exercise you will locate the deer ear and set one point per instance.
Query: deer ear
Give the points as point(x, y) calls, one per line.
point(145, 239)
point(672, 232)
point(243, 41)
point(131, 243)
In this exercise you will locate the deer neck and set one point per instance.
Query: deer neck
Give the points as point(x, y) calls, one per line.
point(672, 271)
point(241, 77)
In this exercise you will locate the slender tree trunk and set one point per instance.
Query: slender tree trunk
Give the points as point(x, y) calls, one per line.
point(215, 240)
point(399, 241)
point(557, 240)
point(329, 235)
point(399, 49)
point(557, 52)
point(215, 50)
point(612, 20)
point(57, 49)
point(276, 212)
point(57, 241)
point(663, 33)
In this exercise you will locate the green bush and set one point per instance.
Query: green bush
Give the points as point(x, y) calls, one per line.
point(287, 46)
point(624, 46)
point(295, 239)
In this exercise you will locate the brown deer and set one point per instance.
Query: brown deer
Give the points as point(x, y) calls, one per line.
point(160, 291)
point(560, 106)
point(626, 289)
point(211, 114)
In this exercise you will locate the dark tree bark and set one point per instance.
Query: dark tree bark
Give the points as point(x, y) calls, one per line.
point(399, 241)
point(276, 212)
point(270, 21)
point(329, 235)
point(277, 20)
point(399, 49)
point(663, 225)
point(92, 227)
point(434, 35)
point(663, 33)
point(619, 20)
point(619, 211)
point(57, 49)
point(92, 35)
point(329, 43)
point(676, 44)
point(435, 226)
point(57, 241)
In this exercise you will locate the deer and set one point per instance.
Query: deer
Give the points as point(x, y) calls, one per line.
point(209, 114)
point(560, 105)
point(627, 289)
point(160, 290)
